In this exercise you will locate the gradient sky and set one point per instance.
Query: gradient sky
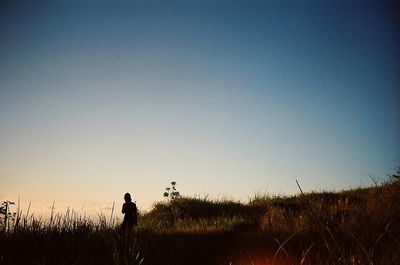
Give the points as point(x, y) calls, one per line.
point(225, 97)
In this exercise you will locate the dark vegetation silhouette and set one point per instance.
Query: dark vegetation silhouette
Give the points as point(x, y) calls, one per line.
point(171, 193)
point(6, 214)
point(351, 227)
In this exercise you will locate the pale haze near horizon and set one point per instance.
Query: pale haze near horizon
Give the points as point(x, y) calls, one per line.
point(226, 98)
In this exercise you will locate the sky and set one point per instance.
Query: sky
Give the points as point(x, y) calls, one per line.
point(227, 98)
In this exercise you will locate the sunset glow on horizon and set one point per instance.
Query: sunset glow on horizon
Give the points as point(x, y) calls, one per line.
point(227, 98)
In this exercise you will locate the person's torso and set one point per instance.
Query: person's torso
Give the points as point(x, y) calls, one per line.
point(130, 209)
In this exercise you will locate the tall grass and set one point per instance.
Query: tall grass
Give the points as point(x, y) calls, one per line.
point(360, 226)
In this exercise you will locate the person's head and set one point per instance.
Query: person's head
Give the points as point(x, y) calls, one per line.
point(127, 197)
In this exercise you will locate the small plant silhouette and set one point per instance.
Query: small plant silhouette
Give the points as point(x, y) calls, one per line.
point(170, 192)
point(397, 175)
point(5, 211)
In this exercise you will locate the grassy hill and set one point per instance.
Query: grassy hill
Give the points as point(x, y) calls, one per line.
point(360, 226)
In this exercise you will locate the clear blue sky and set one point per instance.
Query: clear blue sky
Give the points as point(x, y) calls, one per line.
point(224, 97)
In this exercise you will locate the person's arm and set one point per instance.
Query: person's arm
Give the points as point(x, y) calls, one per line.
point(123, 208)
point(135, 214)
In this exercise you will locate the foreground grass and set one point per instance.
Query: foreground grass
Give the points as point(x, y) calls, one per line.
point(359, 226)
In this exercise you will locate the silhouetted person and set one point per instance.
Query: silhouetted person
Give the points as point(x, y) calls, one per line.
point(130, 211)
